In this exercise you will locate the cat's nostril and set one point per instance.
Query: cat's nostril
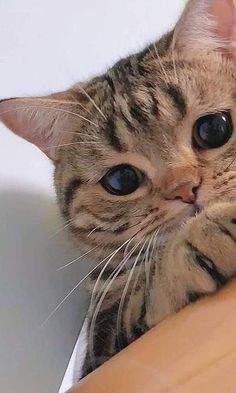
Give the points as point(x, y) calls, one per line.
point(195, 190)
point(190, 198)
point(186, 192)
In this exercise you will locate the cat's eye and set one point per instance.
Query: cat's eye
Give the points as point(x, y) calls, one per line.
point(122, 180)
point(213, 130)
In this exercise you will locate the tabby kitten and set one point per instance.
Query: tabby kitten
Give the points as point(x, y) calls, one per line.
point(145, 173)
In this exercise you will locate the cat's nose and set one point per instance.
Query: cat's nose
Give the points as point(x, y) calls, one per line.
point(187, 192)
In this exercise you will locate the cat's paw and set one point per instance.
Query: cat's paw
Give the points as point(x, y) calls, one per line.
point(200, 258)
point(210, 241)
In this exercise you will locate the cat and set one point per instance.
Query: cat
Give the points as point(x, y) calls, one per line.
point(145, 174)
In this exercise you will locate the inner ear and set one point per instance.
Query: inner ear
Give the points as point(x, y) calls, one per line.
point(209, 25)
point(45, 122)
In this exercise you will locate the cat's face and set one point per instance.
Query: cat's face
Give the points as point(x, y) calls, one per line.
point(149, 162)
point(148, 144)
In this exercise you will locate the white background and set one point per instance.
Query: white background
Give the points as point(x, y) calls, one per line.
point(46, 46)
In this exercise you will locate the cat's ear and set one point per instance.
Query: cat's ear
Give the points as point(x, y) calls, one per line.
point(208, 24)
point(46, 122)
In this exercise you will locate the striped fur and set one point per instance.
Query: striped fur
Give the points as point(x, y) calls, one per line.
point(154, 253)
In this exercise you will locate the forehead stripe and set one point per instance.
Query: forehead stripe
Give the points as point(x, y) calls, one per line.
point(111, 135)
point(178, 98)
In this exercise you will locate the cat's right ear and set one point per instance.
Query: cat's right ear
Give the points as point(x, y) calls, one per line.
point(208, 25)
point(46, 122)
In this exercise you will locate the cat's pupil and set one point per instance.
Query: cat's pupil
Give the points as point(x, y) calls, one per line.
point(212, 131)
point(122, 180)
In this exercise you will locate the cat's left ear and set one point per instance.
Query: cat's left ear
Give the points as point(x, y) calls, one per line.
point(46, 122)
point(209, 25)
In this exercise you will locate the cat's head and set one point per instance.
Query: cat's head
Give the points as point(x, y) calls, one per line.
point(141, 148)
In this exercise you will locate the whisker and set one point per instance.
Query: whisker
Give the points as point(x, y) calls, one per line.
point(76, 259)
point(148, 266)
point(147, 272)
point(67, 224)
point(79, 134)
point(73, 143)
point(104, 268)
point(92, 101)
point(73, 289)
point(174, 64)
point(154, 238)
point(137, 276)
point(50, 108)
point(66, 102)
point(77, 103)
point(66, 297)
point(157, 244)
point(129, 309)
point(108, 286)
point(154, 243)
point(126, 249)
point(122, 301)
point(166, 79)
point(93, 230)
point(133, 226)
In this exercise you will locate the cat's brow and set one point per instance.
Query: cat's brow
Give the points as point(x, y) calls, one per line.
point(177, 97)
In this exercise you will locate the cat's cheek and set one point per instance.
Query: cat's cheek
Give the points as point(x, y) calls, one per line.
point(218, 188)
point(81, 220)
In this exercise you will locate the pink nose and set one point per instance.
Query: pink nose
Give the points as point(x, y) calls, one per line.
point(187, 192)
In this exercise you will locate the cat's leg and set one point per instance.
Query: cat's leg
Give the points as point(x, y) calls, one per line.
point(108, 333)
point(107, 339)
point(103, 339)
point(198, 260)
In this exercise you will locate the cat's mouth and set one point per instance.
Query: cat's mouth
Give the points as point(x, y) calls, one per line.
point(183, 213)
point(192, 211)
point(197, 209)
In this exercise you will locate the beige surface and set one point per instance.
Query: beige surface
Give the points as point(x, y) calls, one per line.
point(191, 352)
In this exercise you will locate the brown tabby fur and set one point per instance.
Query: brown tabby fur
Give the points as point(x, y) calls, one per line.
point(141, 112)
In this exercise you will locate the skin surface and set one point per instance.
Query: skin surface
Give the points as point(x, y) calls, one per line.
point(198, 357)
point(172, 240)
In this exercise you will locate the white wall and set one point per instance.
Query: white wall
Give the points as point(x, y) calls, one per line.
point(48, 45)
